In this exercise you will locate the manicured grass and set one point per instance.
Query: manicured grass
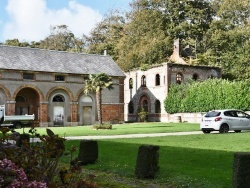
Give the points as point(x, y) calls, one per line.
point(119, 129)
point(204, 160)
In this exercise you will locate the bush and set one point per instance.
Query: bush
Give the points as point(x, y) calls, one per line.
point(39, 161)
point(208, 95)
point(102, 126)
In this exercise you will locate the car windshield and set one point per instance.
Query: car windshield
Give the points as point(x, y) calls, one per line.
point(212, 114)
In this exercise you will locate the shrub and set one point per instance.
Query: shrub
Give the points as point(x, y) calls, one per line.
point(39, 160)
point(102, 126)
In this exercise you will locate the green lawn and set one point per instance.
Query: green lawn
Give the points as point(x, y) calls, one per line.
point(119, 129)
point(204, 160)
point(197, 161)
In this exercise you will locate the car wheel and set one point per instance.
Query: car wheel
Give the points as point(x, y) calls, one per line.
point(224, 128)
point(237, 131)
point(206, 132)
point(18, 125)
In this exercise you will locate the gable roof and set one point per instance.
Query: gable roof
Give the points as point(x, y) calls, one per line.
point(41, 60)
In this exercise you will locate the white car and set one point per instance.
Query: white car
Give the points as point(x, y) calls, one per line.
point(224, 121)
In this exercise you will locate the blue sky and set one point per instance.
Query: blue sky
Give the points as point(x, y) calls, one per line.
point(30, 20)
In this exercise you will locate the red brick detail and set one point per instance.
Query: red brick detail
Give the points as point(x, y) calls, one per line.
point(112, 112)
point(43, 113)
point(74, 112)
point(121, 88)
point(11, 109)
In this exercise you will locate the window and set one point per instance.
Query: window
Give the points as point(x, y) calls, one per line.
point(28, 76)
point(178, 78)
point(145, 105)
point(143, 81)
point(130, 107)
point(157, 80)
point(130, 83)
point(195, 76)
point(157, 106)
point(59, 78)
point(58, 98)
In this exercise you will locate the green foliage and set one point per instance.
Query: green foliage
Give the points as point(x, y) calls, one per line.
point(39, 160)
point(143, 114)
point(208, 95)
point(96, 83)
point(102, 126)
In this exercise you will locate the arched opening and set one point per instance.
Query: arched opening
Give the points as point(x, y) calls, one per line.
point(195, 76)
point(143, 81)
point(179, 78)
point(131, 107)
point(27, 102)
point(130, 83)
point(157, 106)
point(157, 79)
point(87, 110)
point(58, 109)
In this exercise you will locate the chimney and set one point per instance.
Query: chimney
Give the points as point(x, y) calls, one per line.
point(105, 52)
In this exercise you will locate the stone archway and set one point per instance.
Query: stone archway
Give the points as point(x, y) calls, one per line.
point(144, 103)
point(27, 102)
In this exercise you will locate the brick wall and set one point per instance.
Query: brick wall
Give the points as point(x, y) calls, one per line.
point(112, 112)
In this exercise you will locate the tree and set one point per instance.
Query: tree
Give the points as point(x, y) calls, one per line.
point(227, 40)
point(96, 83)
point(153, 25)
point(61, 39)
point(106, 35)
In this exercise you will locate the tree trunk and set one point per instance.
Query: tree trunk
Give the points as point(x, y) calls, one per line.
point(99, 106)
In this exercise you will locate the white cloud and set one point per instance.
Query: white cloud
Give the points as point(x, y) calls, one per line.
point(31, 20)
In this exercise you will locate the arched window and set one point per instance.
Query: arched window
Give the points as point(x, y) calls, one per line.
point(58, 98)
point(131, 107)
point(157, 106)
point(195, 76)
point(157, 79)
point(143, 81)
point(87, 98)
point(130, 83)
point(178, 78)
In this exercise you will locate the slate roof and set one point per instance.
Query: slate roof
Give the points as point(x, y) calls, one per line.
point(33, 59)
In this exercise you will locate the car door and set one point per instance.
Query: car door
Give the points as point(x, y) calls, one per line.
point(232, 120)
point(244, 120)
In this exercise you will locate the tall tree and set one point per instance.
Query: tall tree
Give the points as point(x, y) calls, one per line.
point(227, 41)
point(61, 39)
point(106, 34)
point(154, 24)
point(96, 83)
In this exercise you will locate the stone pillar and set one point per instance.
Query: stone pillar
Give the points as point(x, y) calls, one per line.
point(43, 112)
point(241, 170)
point(10, 108)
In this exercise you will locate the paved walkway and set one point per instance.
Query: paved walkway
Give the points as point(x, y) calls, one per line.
point(132, 135)
point(123, 136)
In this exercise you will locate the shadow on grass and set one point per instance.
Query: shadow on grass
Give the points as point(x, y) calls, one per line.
point(153, 127)
point(179, 166)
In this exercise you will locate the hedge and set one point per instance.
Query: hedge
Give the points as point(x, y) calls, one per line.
point(203, 96)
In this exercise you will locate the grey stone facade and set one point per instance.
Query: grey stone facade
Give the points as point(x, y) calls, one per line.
point(50, 84)
point(148, 89)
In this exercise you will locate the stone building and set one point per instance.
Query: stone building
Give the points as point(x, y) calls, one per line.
point(148, 89)
point(50, 84)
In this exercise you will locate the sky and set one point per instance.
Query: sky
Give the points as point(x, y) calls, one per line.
point(30, 20)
